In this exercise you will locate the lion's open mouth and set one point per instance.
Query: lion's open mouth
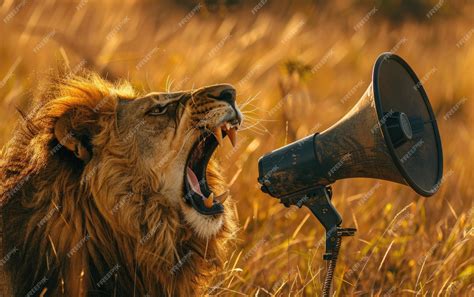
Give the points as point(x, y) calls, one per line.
point(197, 191)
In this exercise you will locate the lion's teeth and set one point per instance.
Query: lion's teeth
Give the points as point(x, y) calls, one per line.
point(232, 136)
point(209, 201)
point(222, 197)
point(218, 134)
point(227, 126)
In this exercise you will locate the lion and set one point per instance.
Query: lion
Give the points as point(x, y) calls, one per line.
point(106, 192)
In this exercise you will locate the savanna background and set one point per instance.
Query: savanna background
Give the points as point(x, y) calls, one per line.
point(298, 66)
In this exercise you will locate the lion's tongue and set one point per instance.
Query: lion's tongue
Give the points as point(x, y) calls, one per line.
point(194, 182)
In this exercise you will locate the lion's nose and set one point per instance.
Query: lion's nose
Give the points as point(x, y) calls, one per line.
point(227, 95)
point(222, 92)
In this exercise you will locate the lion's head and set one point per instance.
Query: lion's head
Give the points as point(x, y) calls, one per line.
point(172, 138)
point(131, 176)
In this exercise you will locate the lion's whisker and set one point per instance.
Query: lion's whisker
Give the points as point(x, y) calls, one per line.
point(254, 129)
point(249, 100)
point(247, 117)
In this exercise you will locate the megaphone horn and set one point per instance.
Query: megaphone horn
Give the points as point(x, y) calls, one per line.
point(390, 134)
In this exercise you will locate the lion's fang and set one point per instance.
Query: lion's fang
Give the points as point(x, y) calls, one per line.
point(232, 132)
point(222, 197)
point(218, 135)
point(209, 201)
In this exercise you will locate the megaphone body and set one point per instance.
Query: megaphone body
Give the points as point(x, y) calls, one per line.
point(390, 134)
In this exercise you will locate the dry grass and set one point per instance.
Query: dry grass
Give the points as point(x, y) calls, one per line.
point(406, 245)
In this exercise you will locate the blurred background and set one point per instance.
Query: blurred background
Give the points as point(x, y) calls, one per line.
point(298, 66)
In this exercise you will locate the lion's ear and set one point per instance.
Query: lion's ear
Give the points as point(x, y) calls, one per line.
point(72, 140)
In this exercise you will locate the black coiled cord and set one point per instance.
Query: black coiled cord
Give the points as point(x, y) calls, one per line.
point(331, 269)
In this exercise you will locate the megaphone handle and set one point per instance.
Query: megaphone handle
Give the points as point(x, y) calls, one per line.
point(321, 206)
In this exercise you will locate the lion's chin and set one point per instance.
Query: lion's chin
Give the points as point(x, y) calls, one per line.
point(203, 226)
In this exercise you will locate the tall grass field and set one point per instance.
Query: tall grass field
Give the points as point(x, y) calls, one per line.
point(298, 66)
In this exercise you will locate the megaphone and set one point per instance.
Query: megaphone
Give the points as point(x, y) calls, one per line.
point(390, 134)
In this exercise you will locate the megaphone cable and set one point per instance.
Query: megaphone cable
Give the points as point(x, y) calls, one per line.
point(331, 268)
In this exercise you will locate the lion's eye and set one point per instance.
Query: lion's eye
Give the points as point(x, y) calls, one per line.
point(158, 110)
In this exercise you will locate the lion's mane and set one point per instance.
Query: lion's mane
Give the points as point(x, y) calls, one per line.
point(89, 229)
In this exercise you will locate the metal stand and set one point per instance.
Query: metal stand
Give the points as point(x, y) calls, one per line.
point(318, 200)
